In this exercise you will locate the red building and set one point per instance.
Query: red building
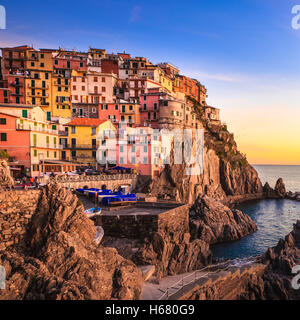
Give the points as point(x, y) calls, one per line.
point(15, 142)
point(16, 85)
point(110, 66)
point(110, 112)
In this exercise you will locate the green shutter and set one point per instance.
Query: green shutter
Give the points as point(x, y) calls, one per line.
point(24, 113)
point(48, 116)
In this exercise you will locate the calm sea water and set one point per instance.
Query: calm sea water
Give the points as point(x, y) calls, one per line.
point(274, 218)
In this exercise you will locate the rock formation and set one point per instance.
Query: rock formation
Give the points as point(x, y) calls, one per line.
point(6, 181)
point(58, 258)
point(278, 193)
point(226, 172)
point(280, 188)
point(213, 222)
point(173, 254)
point(280, 261)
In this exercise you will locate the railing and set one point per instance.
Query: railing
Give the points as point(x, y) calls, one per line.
point(223, 266)
point(102, 177)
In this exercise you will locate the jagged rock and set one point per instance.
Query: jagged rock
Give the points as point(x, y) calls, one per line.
point(215, 223)
point(59, 259)
point(277, 193)
point(281, 260)
point(280, 188)
point(173, 254)
point(6, 181)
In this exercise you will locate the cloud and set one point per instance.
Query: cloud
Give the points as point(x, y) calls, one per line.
point(135, 14)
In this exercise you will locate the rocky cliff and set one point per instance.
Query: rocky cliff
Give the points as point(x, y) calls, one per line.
point(213, 222)
point(226, 172)
point(58, 259)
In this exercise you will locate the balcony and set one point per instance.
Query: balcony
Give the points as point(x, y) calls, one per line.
point(14, 84)
point(81, 147)
point(37, 87)
point(20, 94)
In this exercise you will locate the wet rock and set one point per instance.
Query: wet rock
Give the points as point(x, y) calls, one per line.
point(215, 223)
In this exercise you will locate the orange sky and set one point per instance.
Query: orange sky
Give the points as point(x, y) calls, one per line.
point(267, 135)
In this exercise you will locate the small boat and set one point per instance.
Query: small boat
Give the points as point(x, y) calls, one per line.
point(93, 212)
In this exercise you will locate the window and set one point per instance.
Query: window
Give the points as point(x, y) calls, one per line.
point(155, 106)
point(145, 160)
point(48, 116)
point(145, 106)
point(73, 154)
point(55, 61)
point(5, 93)
point(59, 89)
point(145, 149)
point(17, 100)
point(145, 98)
point(3, 136)
point(103, 79)
point(94, 154)
point(83, 88)
point(74, 79)
point(35, 153)
point(2, 121)
point(103, 89)
point(116, 107)
point(74, 87)
point(42, 65)
point(73, 129)
point(133, 149)
point(32, 64)
point(95, 79)
point(47, 154)
point(130, 108)
point(54, 154)
point(94, 131)
point(121, 148)
point(42, 56)
point(24, 113)
point(46, 76)
point(81, 65)
point(54, 127)
point(68, 64)
point(133, 160)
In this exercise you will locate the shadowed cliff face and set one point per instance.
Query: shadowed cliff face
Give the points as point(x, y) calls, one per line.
point(59, 259)
point(226, 172)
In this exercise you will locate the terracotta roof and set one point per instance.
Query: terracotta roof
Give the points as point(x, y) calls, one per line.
point(86, 122)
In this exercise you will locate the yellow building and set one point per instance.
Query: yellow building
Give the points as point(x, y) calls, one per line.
point(164, 80)
point(38, 79)
point(82, 138)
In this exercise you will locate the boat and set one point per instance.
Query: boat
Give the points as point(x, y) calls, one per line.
point(119, 199)
point(93, 212)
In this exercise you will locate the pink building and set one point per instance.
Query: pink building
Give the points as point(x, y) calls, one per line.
point(140, 149)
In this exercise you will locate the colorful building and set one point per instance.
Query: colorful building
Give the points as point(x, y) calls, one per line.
point(39, 139)
point(82, 139)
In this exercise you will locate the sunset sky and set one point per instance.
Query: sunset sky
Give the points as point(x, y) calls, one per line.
point(244, 51)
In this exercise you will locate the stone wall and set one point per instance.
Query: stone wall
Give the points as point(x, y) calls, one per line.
point(232, 284)
point(140, 226)
point(16, 209)
point(109, 181)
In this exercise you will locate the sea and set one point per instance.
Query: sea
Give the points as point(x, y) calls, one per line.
point(274, 218)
